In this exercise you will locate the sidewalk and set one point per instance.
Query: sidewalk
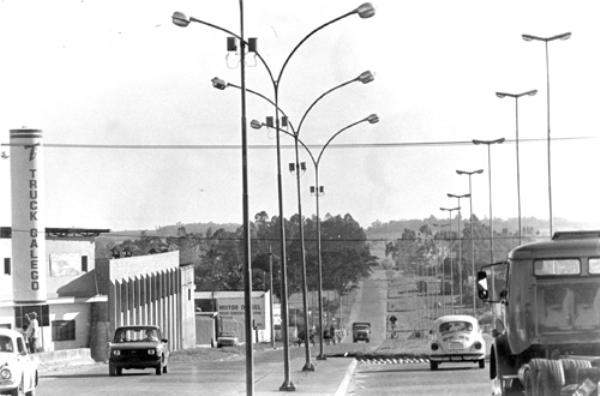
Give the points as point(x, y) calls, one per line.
point(331, 377)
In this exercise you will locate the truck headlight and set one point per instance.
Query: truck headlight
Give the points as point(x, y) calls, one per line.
point(434, 346)
point(477, 345)
point(151, 351)
point(116, 352)
point(5, 374)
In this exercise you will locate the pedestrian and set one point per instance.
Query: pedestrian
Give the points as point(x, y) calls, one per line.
point(33, 332)
point(332, 333)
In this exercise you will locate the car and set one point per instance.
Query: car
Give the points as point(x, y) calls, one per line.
point(227, 339)
point(456, 338)
point(138, 347)
point(18, 368)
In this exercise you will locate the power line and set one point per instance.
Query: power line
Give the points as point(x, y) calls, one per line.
point(439, 143)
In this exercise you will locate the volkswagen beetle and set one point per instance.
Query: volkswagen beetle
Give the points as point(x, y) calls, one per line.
point(18, 368)
point(456, 338)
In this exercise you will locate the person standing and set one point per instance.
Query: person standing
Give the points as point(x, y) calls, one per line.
point(33, 332)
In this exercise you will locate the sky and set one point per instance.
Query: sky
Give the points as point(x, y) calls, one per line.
point(119, 73)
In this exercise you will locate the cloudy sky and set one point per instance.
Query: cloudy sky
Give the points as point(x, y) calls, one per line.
point(119, 73)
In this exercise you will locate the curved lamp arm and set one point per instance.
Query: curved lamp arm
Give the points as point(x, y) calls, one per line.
point(365, 10)
point(257, 125)
point(364, 77)
point(181, 20)
point(372, 119)
point(220, 84)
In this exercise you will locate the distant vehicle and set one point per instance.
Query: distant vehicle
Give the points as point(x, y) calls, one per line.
point(138, 347)
point(546, 300)
point(18, 368)
point(456, 338)
point(361, 331)
point(421, 286)
point(227, 339)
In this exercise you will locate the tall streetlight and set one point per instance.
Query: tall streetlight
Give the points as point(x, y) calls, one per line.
point(546, 40)
point(516, 97)
point(458, 218)
point(449, 210)
point(365, 10)
point(365, 78)
point(471, 173)
point(180, 20)
point(318, 190)
point(488, 143)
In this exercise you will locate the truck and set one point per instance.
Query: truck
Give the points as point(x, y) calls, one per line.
point(361, 331)
point(545, 302)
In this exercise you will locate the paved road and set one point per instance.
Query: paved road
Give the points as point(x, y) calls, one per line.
point(191, 375)
point(416, 379)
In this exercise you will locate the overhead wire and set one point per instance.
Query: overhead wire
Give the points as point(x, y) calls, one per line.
point(289, 146)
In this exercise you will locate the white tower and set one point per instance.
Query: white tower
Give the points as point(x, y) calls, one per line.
point(28, 228)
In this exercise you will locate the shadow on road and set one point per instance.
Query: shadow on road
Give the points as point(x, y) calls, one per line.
point(400, 369)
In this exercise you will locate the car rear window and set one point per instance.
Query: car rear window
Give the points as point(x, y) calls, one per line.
point(455, 326)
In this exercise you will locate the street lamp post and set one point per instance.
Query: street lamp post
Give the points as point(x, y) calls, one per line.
point(271, 297)
point(318, 190)
point(516, 97)
point(458, 217)
point(180, 20)
point(546, 40)
point(488, 143)
point(471, 173)
point(365, 10)
point(449, 210)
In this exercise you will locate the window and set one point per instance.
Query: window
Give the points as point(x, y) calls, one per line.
point(551, 267)
point(63, 330)
point(84, 264)
point(21, 346)
point(594, 265)
point(7, 265)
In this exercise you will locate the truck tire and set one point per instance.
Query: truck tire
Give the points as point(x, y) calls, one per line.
point(583, 373)
point(570, 367)
point(433, 365)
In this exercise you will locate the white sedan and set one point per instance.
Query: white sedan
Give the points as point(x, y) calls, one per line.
point(456, 338)
point(227, 339)
point(18, 368)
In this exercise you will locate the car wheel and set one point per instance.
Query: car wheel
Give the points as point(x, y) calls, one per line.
point(119, 371)
point(111, 370)
point(30, 393)
point(159, 368)
point(433, 365)
point(482, 364)
point(165, 370)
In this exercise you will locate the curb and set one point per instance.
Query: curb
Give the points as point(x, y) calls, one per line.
point(343, 387)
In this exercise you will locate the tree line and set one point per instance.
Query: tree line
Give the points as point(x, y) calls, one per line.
point(434, 248)
point(217, 255)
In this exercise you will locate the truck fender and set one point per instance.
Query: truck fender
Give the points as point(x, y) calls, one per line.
point(501, 360)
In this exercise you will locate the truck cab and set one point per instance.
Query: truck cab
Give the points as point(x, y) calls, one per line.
point(361, 331)
point(546, 309)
